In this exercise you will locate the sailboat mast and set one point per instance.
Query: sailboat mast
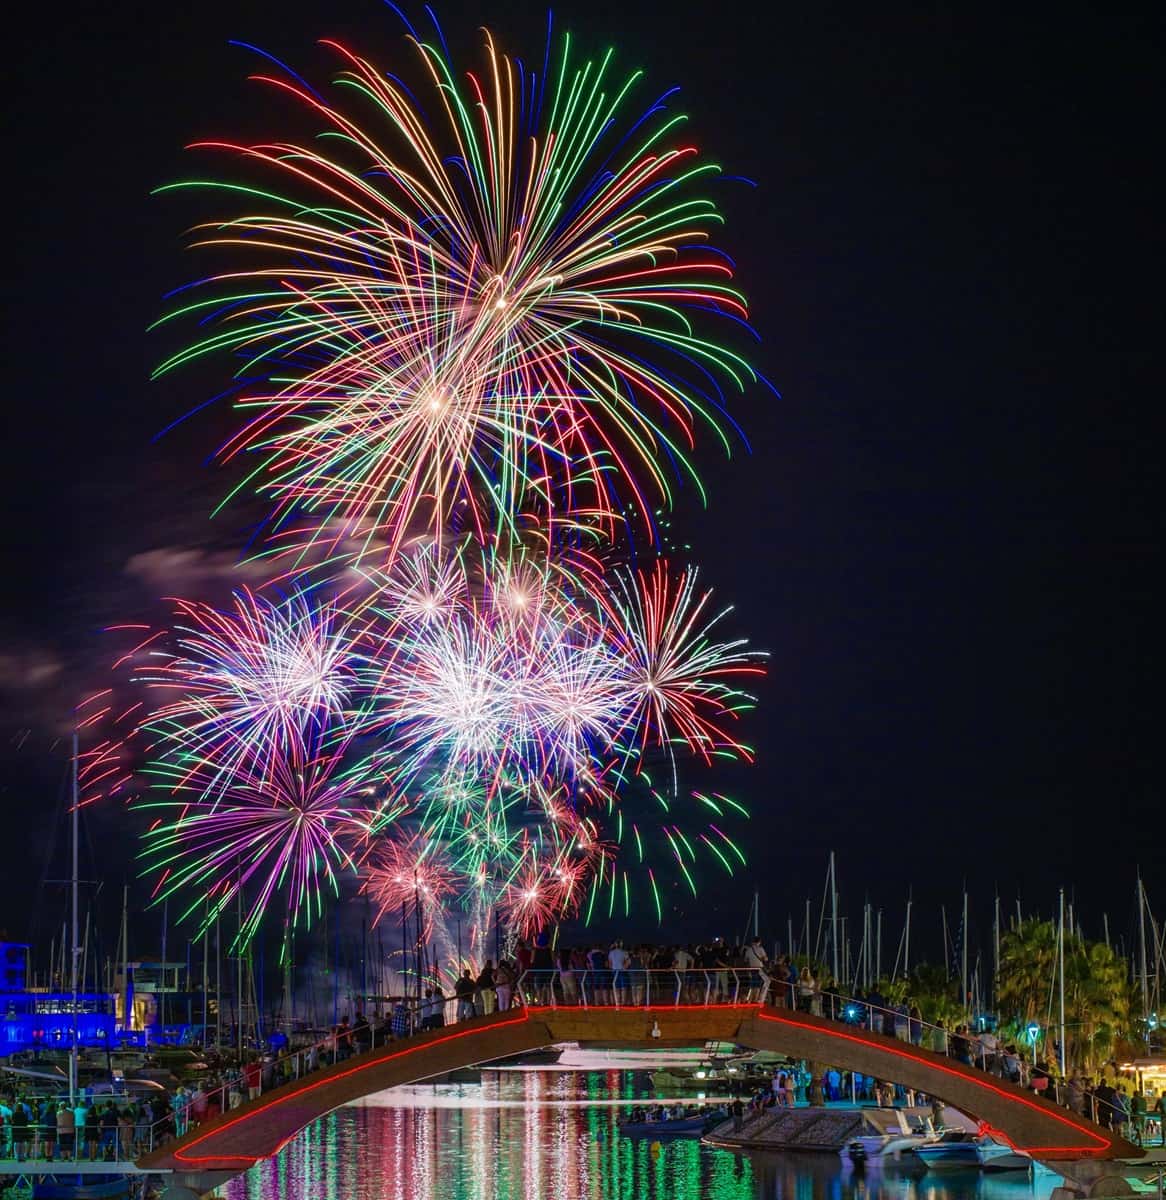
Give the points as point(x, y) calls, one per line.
point(1142, 947)
point(878, 946)
point(995, 948)
point(1061, 956)
point(834, 915)
point(907, 942)
point(127, 1019)
point(964, 953)
point(76, 817)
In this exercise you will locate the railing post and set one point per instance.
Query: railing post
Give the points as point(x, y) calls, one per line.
point(707, 988)
point(679, 989)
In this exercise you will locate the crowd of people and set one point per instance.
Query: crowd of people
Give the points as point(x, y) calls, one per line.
point(91, 1129)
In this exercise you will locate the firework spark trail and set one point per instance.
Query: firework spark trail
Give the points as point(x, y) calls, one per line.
point(286, 826)
point(247, 682)
point(506, 305)
point(404, 875)
point(682, 680)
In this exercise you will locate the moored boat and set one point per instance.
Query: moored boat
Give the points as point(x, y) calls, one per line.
point(685, 1124)
point(960, 1148)
point(890, 1143)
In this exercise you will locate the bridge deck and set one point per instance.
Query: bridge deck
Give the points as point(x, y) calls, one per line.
point(236, 1140)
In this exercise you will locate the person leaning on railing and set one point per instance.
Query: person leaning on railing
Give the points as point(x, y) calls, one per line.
point(18, 1124)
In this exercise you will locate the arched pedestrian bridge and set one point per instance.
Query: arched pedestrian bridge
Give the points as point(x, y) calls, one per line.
point(236, 1140)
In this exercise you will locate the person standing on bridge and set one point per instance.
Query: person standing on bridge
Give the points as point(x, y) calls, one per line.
point(756, 960)
point(464, 991)
point(361, 1032)
point(504, 985)
point(253, 1078)
point(617, 962)
point(914, 1024)
point(807, 990)
point(486, 987)
point(567, 979)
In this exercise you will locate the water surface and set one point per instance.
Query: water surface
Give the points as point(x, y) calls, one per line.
point(551, 1135)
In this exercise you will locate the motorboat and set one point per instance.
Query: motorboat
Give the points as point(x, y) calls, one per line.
point(718, 1075)
point(994, 1156)
point(889, 1143)
point(961, 1148)
point(690, 1124)
point(949, 1148)
point(546, 1057)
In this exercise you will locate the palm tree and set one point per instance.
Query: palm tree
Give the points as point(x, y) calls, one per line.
point(1028, 964)
point(937, 995)
point(1097, 1005)
point(1097, 1001)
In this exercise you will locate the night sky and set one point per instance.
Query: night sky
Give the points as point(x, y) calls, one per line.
point(945, 531)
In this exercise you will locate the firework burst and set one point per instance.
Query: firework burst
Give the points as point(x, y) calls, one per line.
point(248, 683)
point(508, 305)
point(287, 825)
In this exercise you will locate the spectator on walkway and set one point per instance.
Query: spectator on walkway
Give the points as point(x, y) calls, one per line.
point(486, 987)
point(109, 1127)
point(464, 991)
point(361, 1032)
point(66, 1130)
point(1138, 1117)
point(567, 980)
point(807, 989)
point(18, 1124)
point(756, 960)
point(989, 1052)
point(125, 1132)
point(542, 967)
point(617, 962)
point(914, 1024)
point(399, 1024)
point(504, 985)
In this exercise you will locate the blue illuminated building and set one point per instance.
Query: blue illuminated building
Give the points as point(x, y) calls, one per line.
point(37, 1018)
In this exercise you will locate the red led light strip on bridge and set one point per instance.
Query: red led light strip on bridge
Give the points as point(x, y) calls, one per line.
point(523, 1015)
point(293, 1093)
point(1103, 1143)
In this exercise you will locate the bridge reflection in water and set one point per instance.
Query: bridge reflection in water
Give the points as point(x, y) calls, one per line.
point(532, 1135)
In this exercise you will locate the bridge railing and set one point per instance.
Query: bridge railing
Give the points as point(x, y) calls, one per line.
point(640, 987)
point(966, 1047)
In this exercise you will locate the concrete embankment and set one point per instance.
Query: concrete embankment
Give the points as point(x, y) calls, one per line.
point(820, 1129)
point(790, 1129)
